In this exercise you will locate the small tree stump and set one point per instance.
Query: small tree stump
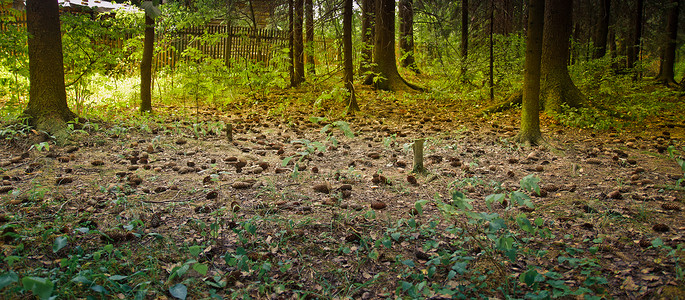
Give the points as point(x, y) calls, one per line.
point(418, 157)
point(229, 132)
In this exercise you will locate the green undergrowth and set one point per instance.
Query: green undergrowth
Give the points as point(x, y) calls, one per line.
point(462, 253)
point(474, 248)
point(618, 100)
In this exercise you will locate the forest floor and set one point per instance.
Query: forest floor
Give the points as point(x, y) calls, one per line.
point(166, 206)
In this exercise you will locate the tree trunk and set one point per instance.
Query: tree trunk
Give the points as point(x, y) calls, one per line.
point(291, 42)
point(347, 53)
point(386, 76)
point(492, 52)
point(309, 35)
point(666, 73)
point(556, 87)
point(47, 108)
point(227, 39)
point(146, 66)
point(406, 12)
point(600, 40)
point(616, 64)
point(368, 36)
point(634, 49)
point(464, 36)
point(417, 148)
point(530, 114)
point(298, 45)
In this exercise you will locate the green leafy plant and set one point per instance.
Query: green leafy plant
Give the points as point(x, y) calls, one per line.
point(338, 94)
point(672, 152)
point(497, 241)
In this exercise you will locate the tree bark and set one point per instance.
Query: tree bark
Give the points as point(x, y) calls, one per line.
point(600, 40)
point(47, 108)
point(291, 42)
point(386, 76)
point(227, 39)
point(634, 49)
point(492, 52)
point(417, 148)
point(464, 36)
point(309, 36)
point(530, 114)
point(368, 36)
point(347, 53)
point(557, 88)
point(666, 73)
point(146, 66)
point(298, 43)
point(406, 12)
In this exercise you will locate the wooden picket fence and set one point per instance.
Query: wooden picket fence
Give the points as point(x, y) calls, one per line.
point(215, 40)
point(220, 41)
point(11, 18)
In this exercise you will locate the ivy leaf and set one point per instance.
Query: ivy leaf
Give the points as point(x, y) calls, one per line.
point(492, 198)
point(497, 224)
point(81, 279)
point(41, 287)
point(530, 183)
point(374, 254)
point(521, 199)
point(409, 263)
point(179, 291)
point(345, 127)
point(201, 268)
point(525, 224)
point(459, 267)
point(7, 279)
point(117, 277)
point(418, 205)
point(317, 120)
point(195, 250)
point(505, 243)
point(286, 161)
point(529, 277)
point(459, 200)
point(657, 242)
point(60, 242)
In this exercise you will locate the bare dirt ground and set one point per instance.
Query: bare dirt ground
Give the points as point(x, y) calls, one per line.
point(327, 227)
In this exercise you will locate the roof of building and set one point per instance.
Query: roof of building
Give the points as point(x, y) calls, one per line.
point(98, 5)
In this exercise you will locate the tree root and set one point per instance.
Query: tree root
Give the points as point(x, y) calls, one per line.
point(514, 100)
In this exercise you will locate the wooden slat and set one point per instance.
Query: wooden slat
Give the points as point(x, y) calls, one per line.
point(241, 42)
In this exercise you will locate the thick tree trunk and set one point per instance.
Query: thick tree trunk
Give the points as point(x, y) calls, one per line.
point(386, 76)
point(666, 73)
point(47, 108)
point(530, 114)
point(634, 49)
point(347, 53)
point(298, 43)
point(146, 66)
point(368, 36)
point(406, 12)
point(557, 88)
point(600, 40)
point(309, 35)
